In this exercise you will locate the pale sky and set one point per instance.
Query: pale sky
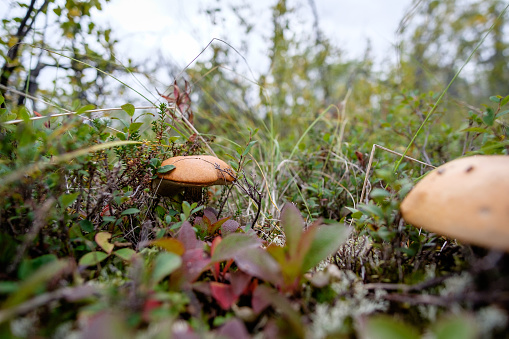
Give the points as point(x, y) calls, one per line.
point(182, 30)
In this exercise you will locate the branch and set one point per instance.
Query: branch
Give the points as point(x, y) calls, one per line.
point(69, 293)
point(408, 288)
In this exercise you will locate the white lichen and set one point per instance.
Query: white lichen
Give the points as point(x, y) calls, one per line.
point(490, 319)
point(330, 319)
point(457, 284)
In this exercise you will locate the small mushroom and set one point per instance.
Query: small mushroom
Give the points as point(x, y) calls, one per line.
point(194, 172)
point(467, 199)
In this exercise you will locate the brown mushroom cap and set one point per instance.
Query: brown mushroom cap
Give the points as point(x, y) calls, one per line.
point(192, 171)
point(467, 199)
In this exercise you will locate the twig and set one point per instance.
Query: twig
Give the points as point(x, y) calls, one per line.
point(188, 123)
point(67, 112)
point(38, 224)
point(444, 301)
point(409, 288)
point(69, 293)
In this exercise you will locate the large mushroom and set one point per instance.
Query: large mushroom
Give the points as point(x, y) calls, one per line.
point(194, 172)
point(467, 199)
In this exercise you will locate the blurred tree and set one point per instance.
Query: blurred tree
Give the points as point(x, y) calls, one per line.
point(438, 37)
point(305, 74)
point(35, 31)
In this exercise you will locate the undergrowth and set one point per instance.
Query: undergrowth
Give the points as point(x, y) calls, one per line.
point(292, 249)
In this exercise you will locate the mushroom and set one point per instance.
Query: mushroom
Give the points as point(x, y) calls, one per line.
point(194, 172)
point(467, 199)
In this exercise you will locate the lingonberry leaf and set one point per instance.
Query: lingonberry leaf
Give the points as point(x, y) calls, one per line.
point(101, 239)
point(165, 264)
point(170, 245)
point(223, 294)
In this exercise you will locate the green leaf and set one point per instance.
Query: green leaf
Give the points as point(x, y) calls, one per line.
point(504, 101)
point(495, 99)
point(135, 126)
point(1, 99)
point(379, 193)
point(85, 108)
point(489, 117)
point(125, 253)
point(23, 114)
point(36, 281)
point(155, 162)
point(327, 240)
point(186, 208)
point(165, 264)
point(29, 266)
point(75, 232)
point(355, 212)
point(457, 327)
point(86, 225)
point(371, 210)
point(385, 327)
point(197, 209)
point(502, 113)
point(68, 199)
point(293, 225)
point(166, 169)
point(8, 287)
point(101, 239)
point(130, 211)
point(234, 244)
point(477, 130)
point(128, 108)
point(249, 146)
point(92, 258)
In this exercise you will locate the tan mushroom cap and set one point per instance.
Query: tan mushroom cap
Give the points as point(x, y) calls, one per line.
point(193, 171)
point(467, 199)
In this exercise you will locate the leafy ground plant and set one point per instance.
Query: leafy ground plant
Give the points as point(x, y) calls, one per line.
point(296, 248)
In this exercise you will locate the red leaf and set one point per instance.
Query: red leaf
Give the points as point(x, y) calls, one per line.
point(216, 267)
point(176, 91)
point(188, 237)
point(233, 244)
point(223, 294)
point(203, 287)
point(194, 262)
point(230, 226)
point(215, 226)
point(240, 281)
point(211, 216)
point(233, 329)
point(260, 300)
point(215, 243)
point(150, 304)
point(257, 262)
